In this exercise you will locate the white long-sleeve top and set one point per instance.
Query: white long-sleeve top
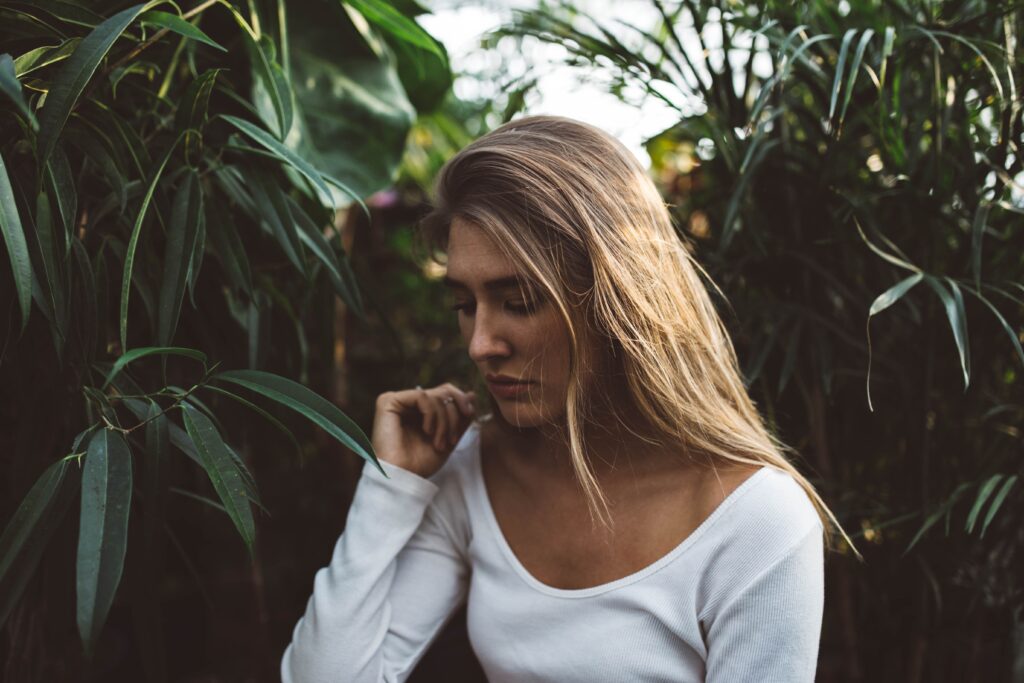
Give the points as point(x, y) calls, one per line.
point(739, 600)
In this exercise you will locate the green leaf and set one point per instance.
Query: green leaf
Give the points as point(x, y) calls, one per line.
point(954, 305)
point(129, 259)
point(50, 256)
point(17, 247)
point(103, 530)
point(983, 493)
point(173, 22)
point(283, 153)
point(195, 261)
point(997, 502)
point(274, 211)
point(191, 113)
point(181, 242)
point(936, 515)
point(60, 183)
point(73, 77)
point(264, 67)
point(383, 15)
point(29, 530)
point(882, 302)
point(263, 413)
point(144, 351)
point(220, 467)
point(44, 56)
point(837, 81)
point(977, 233)
point(10, 86)
point(307, 403)
point(342, 279)
point(23, 524)
point(858, 58)
point(228, 248)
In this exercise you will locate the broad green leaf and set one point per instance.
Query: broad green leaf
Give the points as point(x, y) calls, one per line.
point(983, 493)
point(997, 502)
point(882, 302)
point(17, 247)
point(307, 403)
point(339, 98)
point(73, 77)
point(383, 15)
point(144, 351)
point(103, 530)
point(181, 242)
point(283, 153)
point(11, 87)
point(129, 260)
point(173, 22)
point(220, 467)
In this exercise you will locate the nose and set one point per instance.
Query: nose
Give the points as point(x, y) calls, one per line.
point(486, 341)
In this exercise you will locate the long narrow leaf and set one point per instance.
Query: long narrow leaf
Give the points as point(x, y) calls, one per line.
point(17, 247)
point(307, 403)
point(181, 241)
point(74, 75)
point(144, 351)
point(953, 303)
point(173, 22)
point(11, 87)
point(103, 530)
point(221, 469)
point(983, 493)
point(882, 302)
point(997, 502)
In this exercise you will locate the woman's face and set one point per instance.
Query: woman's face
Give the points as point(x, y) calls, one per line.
point(506, 334)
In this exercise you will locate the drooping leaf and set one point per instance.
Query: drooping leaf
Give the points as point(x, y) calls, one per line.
point(307, 403)
point(142, 352)
point(384, 15)
point(17, 247)
point(11, 87)
point(129, 259)
point(182, 233)
point(103, 530)
point(341, 278)
point(983, 493)
point(173, 22)
point(953, 303)
point(221, 469)
point(997, 502)
point(74, 75)
point(882, 302)
point(22, 526)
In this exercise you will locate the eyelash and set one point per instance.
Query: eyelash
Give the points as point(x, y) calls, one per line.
point(523, 310)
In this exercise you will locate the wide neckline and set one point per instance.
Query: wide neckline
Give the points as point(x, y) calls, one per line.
point(484, 500)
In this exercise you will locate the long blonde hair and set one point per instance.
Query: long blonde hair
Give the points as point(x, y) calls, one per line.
point(577, 213)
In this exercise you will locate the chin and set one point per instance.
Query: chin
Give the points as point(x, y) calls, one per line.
point(520, 414)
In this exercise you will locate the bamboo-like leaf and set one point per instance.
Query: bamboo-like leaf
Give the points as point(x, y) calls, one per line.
point(882, 302)
point(52, 270)
point(44, 56)
point(60, 183)
point(307, 403)
point(385, 16)
point(936, 515)
point(341, 278)
point(887, 44)
point(195, 261)
point(103, 530)
point(73, 77)
point(274, 211)
point(220, 467)
point(173, 22)
point(144, 351)
point(977, 234)
point(21, 527)
point(181, 242)
point(29, 530)
point(954, 305)
point(228, 248)
point(11, 87)
point(263, 66)
point(129, 259)
point(17, 247)
point(282, 153)
point(997, 502)
point(851, 81)
point(837, 80)
point(983, 493)
point(263, 413)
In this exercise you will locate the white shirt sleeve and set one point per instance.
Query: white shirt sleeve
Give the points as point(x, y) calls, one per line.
point(769, 630)
point(396, 576)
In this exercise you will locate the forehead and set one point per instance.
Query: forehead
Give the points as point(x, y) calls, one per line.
point(474, 256)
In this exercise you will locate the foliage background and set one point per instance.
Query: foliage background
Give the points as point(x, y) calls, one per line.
point(857, 199)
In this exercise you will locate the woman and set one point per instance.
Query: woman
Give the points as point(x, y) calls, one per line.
point(621, 513)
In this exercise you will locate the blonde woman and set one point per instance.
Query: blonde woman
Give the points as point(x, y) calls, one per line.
point(620, 512)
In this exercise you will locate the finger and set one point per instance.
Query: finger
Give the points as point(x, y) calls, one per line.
point(452, 410)
point(429, 410)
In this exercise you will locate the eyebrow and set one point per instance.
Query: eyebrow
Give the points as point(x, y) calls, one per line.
point(497, 284)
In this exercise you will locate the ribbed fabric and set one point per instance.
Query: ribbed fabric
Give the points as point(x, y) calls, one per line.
point(739, 600)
